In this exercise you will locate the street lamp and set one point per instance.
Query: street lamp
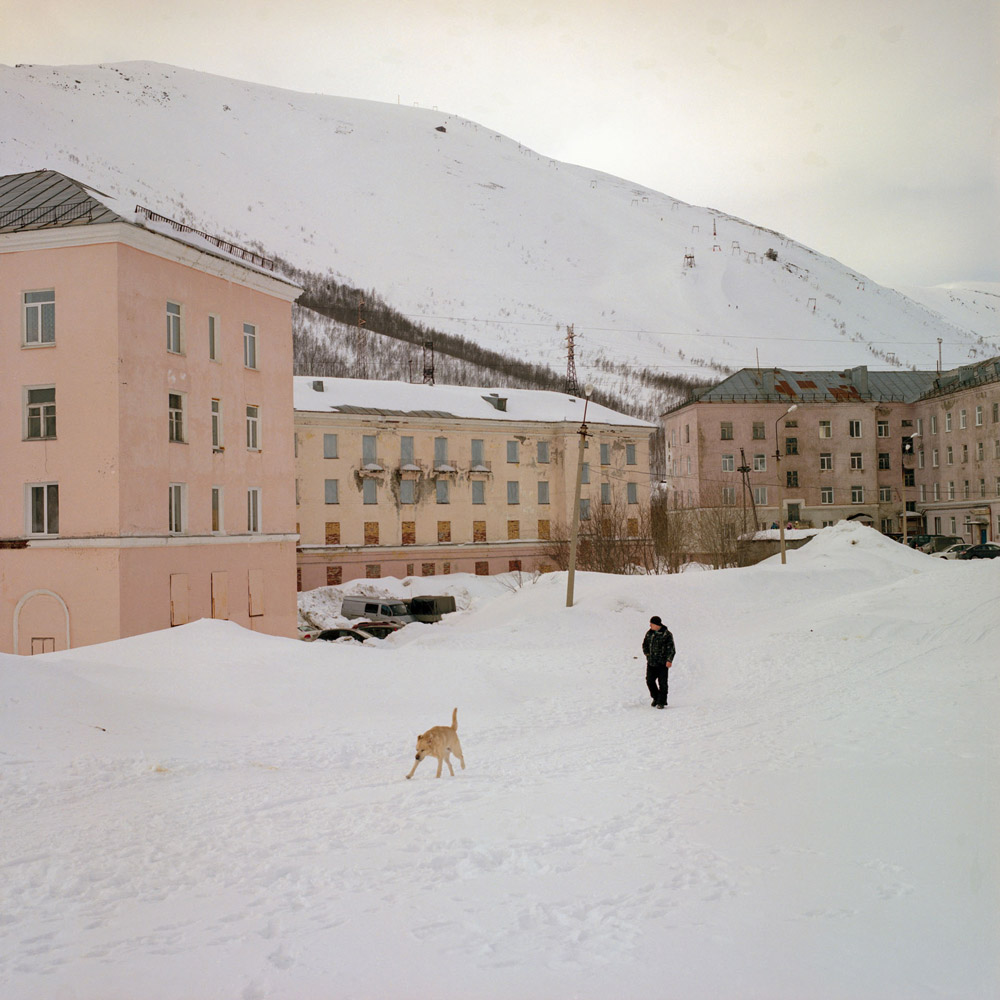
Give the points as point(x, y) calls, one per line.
point(777, 455)
point(574, 535)
point(904, 515)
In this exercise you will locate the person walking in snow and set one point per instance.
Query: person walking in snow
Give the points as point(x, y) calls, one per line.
point(658, 646)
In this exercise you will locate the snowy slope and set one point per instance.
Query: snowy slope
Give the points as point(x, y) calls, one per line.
point(465, 229)
point(209, 813)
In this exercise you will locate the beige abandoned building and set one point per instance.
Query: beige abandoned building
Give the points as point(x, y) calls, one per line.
point(395, 479)
point(818, 447)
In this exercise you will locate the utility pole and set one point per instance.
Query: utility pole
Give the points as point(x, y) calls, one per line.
point(744, 471)
point(428, 362)
point(575, 534)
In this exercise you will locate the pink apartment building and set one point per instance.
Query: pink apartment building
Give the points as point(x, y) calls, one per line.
point(817, 447)
point(146, 430)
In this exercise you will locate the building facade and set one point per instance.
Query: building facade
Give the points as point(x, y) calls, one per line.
point(813, 448)
point(145, 426)
point(395, 479)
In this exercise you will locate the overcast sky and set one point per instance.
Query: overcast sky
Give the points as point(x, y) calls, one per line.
point(867, 129)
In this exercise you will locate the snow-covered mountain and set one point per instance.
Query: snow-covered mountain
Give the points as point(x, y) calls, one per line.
point(471, 233)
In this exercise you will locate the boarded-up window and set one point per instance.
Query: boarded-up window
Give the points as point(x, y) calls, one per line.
point(333, 532)
point(179, 614)
point(373, 571)
point(446, 567)
point(371, 532)
point(255, 578)
point(544, 568)
point(427, 569)
point(513, 529)
point(334, 576)
point(479, 531)
point(514, 566)
point(444, 531)
point(482, 568)
point(632, 526)
point(409, 532)
point(409, 569)
point(220, 594)
point(543, 530)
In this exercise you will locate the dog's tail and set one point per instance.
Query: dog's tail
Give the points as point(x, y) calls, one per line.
point(454, 719)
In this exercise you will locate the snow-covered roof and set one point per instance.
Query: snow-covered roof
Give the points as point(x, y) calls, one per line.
point(369, 396)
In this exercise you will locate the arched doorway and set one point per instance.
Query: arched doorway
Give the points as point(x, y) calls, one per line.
point(41, 623)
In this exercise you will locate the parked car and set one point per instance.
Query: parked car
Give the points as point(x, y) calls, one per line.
point(938, 543)
point(952, 552)
point(337, 634)
point(376, 609)
point(308, 632)
point(987, 550)
point(378, 629)
point(431, 608)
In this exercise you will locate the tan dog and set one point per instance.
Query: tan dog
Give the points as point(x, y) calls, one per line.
point(440, 742)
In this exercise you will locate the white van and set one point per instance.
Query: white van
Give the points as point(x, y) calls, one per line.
point(376, 609)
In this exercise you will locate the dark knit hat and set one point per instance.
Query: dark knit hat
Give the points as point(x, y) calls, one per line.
point(655, 620)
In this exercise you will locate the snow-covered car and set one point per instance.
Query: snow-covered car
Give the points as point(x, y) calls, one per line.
point(987, 550)
point(378, 629)
point(338, 634)
point(952, 552)
point(308, 632)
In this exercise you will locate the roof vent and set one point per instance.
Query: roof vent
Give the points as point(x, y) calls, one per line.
point(318, 385)
point(497, 401)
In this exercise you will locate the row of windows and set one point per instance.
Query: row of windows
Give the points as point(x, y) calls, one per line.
point(40, 418)
point(978, 414)
point(371, 532)
point(827, 495)
point(949, 454)
point(369, 453)
point(42, 505)
point(442, 487)
point(947, 491)
point(40, 328)
point(825, 429)
point(373, 571)
point(857, 460)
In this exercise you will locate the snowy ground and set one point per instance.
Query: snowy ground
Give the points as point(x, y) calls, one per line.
point(209, 813)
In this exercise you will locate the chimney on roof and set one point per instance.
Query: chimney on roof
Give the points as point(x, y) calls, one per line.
point(767, 381)
point(497, 401)
point(318, 385)
point(858, 377)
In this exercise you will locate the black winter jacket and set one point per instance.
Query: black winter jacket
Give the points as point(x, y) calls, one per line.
point(658, 646)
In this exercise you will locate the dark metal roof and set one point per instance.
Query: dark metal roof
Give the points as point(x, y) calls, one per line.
point(777, 385)
point(45, 199)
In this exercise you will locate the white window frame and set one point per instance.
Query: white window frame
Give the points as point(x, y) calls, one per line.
point(857, 461)
point(882, 428)
point(826, 461)
point(884, 494)
point(857, 494)
point(826, 428)
point(854, 429)
point(38, 317)
point(177, 508)
point(728, 496)
point(43, 412)
point(250, 346)
point(218, 511)
point(979, 414)
point(175, 327)
point(217, 444)
point(728, 463)
point(254, 510)
point(177, 418)
point(826, 494)
point(213, 337)
point(46, 494)
point(760, 463)
point(253, 427)
point(760, 495)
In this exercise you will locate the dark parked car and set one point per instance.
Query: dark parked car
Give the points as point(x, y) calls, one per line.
point(378, 629)
point(333, 634)
point(988, 550)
